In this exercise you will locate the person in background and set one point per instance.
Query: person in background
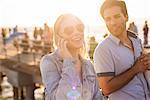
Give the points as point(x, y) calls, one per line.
point(15, 29)
point(133, 27)
point(118, 60)
point(66, 74)
point(47, 38)
point(47, 34)
point(35, 33)
point(145, 29)
point(92, 46)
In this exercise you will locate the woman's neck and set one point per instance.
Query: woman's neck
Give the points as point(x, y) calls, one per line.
point(74, 53)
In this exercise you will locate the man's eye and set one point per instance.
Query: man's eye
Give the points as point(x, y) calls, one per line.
point(117, 16)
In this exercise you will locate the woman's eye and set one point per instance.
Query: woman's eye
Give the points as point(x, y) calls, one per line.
point(68, 30)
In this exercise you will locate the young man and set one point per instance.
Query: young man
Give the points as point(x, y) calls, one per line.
point(118, 60)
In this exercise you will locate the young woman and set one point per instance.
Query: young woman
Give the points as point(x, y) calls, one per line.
point(66, 74)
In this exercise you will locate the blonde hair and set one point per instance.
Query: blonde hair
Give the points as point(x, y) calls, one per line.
point(57, 26)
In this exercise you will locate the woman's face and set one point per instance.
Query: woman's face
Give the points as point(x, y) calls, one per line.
point(72, 30)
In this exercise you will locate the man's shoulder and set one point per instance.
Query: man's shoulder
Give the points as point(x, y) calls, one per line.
point(132, 34)
point(104, 45)
point(106, 42)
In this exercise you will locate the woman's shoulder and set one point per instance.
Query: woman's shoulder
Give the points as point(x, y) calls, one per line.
point(47, 57)
point(89, 67)
point(49, 62)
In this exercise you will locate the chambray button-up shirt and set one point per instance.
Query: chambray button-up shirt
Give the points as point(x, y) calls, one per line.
point(112, 57)
point(59, 76)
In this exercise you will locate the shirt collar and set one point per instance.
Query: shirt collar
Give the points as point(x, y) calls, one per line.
point(117, 40)
point(114, 39)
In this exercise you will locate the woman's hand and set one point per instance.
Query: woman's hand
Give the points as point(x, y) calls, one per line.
point(64, 52)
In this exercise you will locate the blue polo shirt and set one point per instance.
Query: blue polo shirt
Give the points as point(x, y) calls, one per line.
point(112, 57)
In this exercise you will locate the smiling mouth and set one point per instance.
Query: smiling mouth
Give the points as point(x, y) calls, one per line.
point(77, 38)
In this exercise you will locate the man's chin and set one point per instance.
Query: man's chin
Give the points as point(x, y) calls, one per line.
point(115, 34)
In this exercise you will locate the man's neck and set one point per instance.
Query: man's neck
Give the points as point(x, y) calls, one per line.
point(123, 37)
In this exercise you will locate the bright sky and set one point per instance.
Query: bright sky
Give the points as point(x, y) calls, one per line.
point(37, 12)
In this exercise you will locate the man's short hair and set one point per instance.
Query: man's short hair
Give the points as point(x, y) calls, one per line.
point(110, 3)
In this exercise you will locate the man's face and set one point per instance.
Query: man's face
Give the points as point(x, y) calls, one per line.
point(115, 20)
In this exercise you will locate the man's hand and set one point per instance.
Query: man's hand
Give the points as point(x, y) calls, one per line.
point(143, 63)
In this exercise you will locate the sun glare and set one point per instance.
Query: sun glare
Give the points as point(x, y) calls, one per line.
point(37, 12)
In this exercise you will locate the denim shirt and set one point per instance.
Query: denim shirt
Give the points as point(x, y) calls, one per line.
point(62, 82)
